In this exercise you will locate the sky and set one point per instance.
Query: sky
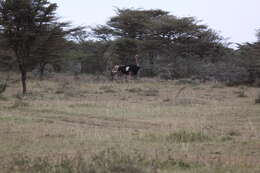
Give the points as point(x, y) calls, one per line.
point(235, 20)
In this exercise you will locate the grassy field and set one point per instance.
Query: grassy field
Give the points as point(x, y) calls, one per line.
point(93, 125)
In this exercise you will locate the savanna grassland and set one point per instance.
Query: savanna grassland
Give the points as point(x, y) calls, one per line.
point(146, 125)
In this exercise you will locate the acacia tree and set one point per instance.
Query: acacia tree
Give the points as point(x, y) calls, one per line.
point(25, 25)
point(249, 57)
point(158, 32)
point(127, 30)
point(50, 49)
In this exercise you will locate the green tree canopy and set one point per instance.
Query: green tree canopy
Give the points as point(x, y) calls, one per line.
point(158, 32)
point(26, 27)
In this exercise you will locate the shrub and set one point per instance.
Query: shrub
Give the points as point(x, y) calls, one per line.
point(187, 81)
point(257, 100)
point(185, 137)
point(150, 92)
point(111, 160)
point(134, 90)
point(241, 92)
point(107, 161)
point(107, 89)
point(19, 104)
point(25, 164)
point(2, 87)
point(171, 164)
point(257, 83)
point(3, 98)
point(146, 92)
point(228, 71)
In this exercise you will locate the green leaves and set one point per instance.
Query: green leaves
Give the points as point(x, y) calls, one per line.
point(33, 32)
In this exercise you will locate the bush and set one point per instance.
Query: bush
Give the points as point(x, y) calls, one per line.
point(134, 90)
point(107, 89)
point(19, 104)
point(3, 87)
point(150, 92)
point(241, 92)
point(25, 164)
point(185, 137)
point(257, 100)
point(107, 161)
point(111, 160)
point(144, 92)
point(226, 71)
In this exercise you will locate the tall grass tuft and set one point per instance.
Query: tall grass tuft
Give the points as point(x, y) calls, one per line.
point(185, 137)
point(110, 160)
point(257, 100)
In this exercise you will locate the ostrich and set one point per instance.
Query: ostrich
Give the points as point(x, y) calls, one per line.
point(129, 70)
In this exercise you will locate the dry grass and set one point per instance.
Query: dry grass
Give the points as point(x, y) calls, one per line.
point(167, 126)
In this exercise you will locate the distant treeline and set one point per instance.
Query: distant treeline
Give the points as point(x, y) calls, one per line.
point(169, 47)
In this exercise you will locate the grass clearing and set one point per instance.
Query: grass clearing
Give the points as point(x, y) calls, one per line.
point(135, 126)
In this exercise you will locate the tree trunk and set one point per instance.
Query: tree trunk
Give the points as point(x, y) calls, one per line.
point(23, 78)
